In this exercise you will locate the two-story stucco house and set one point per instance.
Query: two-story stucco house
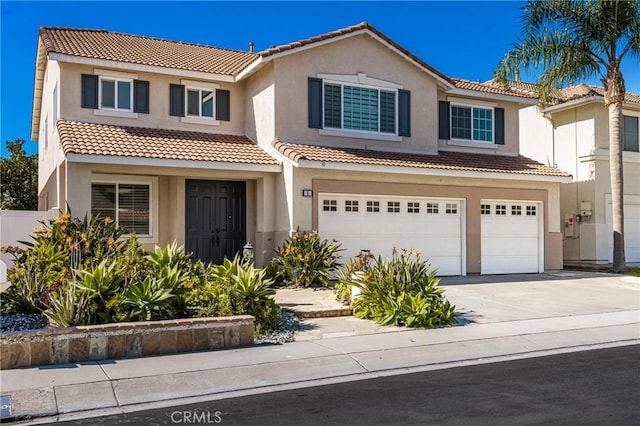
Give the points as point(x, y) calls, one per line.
point(346, 132)
point(573, 135)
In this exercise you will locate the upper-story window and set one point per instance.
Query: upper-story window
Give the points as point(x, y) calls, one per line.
point(359, 106)
point(464, 124)
point(114, 93)
point(199, 102)
point(630, 134)
point(472, 123)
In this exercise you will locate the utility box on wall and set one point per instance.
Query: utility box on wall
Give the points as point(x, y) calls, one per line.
point(571, 226)
point(586, 209)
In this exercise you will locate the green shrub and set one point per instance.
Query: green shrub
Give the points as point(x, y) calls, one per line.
point(305, 259)
point(80, 272)
point(68, 307)
point(236, 288)
point(59, 248)
point(402, 291)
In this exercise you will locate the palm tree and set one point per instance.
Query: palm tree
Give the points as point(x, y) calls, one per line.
point(574, 40)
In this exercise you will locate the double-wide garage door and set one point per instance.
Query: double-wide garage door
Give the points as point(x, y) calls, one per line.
point(511, 231)
point(378, 224)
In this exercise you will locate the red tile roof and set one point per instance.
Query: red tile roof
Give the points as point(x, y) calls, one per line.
point(460, 161)
point(114, 46)
point(494, 88)
point(139, 142)
point(560, 95)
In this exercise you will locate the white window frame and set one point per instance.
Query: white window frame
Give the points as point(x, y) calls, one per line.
point(115, 80)
point(114, 75)
point(200, 86)
point(360, 80)
point(466, 103)
point(152, 181)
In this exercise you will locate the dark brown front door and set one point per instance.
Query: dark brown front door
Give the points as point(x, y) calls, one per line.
point(216, 219)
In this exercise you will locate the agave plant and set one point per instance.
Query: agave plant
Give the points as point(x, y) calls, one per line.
point(148, 297)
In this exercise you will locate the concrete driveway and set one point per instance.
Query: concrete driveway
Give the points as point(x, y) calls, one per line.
point(497, 298)
point(487, 299)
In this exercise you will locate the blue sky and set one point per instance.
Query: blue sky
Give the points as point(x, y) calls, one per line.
point(462, 39)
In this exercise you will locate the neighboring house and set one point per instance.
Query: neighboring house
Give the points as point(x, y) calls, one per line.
point(346, 132)
point(573, 135)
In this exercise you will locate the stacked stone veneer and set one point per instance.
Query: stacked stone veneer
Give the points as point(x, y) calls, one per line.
point(122, 340)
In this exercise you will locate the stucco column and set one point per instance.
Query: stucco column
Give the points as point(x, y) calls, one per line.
point(78, 189)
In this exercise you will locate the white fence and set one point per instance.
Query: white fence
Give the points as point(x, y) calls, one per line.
point(18, 225)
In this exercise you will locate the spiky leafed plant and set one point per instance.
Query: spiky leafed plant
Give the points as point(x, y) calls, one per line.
point(574, 40)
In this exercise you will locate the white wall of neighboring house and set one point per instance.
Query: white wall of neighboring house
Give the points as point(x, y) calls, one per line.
point(18, 225)
point(536, 136)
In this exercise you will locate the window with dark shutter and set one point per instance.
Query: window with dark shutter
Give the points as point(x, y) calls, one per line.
point(443, 120)
point(89, 91)
point(223, 110)
point(404, 113)
point(315, 102)
point(499, 113)
point(176, 100)
point(141, 96)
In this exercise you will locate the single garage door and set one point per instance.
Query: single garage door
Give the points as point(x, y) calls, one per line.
point(380, 223)
point(511, 237)
point(631, 229)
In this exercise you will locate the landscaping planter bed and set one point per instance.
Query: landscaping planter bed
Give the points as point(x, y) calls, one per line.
point(50, 346)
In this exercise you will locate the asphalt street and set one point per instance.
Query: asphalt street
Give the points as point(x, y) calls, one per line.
point(595, 387)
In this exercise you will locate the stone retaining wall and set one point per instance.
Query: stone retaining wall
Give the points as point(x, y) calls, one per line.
point(122, 340)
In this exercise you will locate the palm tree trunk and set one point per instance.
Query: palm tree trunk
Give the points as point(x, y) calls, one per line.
point(617, 186)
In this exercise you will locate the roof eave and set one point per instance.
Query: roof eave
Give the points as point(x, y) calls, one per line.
point(173, 163)
point(62, 57)
point(36, 106)
point(492, 96)
point(470, 174)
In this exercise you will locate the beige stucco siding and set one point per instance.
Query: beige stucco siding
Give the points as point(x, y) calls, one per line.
point(259, 106)
point(50, 154)
point(358, 54)
point(169, 199)
point(158, 116)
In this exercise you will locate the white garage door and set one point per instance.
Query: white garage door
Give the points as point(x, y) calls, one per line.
point(511, 237)
point(631, 230)
point(380, 223)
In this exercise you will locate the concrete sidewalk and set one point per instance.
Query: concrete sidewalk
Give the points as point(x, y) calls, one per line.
point(508, 317)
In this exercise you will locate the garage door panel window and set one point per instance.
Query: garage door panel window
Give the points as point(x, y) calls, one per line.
point(413, 207)
point(393, 206)
point(501, 210)
point(531, 210)
point(432, 208)
point(451, 208)
point(351, 206)
point(485, 209)
point(516, 210)
point(373, 206)
point(329, 205)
